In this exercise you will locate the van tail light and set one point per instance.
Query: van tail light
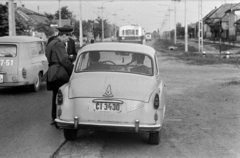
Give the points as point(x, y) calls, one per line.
point(59, 97)
point(156, 102)
point(24, 73)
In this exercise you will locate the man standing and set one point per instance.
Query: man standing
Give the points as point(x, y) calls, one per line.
point(70, 45)
point(60, 67)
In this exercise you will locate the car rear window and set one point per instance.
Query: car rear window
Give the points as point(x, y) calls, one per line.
point(8, 50)
point(126, 62)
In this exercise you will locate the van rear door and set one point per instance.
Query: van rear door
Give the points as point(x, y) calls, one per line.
point(8, 61)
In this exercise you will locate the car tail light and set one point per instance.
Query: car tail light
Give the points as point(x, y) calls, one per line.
point(24, 73)
point(59, 97)
point(156, 101)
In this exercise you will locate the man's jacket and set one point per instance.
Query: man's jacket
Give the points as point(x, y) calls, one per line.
point(60, 67)
point(71, 49)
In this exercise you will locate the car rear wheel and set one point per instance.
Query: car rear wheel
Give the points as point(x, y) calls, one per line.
point(70, 134)
point(36, 86)
point(155, 138)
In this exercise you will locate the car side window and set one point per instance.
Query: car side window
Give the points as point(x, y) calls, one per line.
point(40, 48)
point(84, 62)
point(156, 66)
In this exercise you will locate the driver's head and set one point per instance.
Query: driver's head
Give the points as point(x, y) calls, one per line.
point(134, 57)
point(94, 56)
point(138, 57)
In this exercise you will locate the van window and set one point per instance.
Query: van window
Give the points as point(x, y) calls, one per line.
point(40, 48)
point(33, 49)
point(8, 50)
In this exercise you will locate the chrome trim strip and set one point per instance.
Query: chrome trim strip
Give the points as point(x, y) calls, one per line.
point(109, 125)
point(107, 101)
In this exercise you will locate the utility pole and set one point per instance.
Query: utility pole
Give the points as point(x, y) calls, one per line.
point(102, 24)
point(115, 32)
point(200, 27)
point(169, 10)
point(59, 16)
point(102, 19)
point(186, 28)
point(11, 17)
point(175, 24)
point(80, 25)
point(220, 36)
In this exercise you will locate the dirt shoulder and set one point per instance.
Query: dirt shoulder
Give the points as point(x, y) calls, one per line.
point(203, 112)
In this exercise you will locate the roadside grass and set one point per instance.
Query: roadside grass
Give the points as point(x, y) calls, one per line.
point(225, 46)
point(192, 56)
point(233, 82)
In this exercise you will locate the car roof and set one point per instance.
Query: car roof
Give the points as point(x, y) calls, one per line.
point(14, 39)
point(118, 46)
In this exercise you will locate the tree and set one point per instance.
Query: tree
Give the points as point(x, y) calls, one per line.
point(94, 26)
point(44, 28)
point(98, 28)
point(49, 16)
point(3, 20)
point(97, 31)
point(180, 30)
point(21, 24)
point(65, 13)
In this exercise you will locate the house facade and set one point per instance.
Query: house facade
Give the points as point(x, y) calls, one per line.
point(223, 18)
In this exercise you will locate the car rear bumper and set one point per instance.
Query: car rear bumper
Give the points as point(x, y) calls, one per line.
point(136, 127)
point(13, 84)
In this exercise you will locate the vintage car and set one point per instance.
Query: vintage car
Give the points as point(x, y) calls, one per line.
point(22, 61)
point(114, 87)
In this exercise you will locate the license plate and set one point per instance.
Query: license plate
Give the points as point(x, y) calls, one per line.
point(1, 78)
point(114, 107)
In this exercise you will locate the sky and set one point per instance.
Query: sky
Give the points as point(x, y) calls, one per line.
point(150, 14)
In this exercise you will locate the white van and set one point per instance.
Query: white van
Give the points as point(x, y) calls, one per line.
point(22, 61)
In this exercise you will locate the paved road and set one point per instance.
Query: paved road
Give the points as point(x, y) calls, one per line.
point(201, 119)
point(25, 130)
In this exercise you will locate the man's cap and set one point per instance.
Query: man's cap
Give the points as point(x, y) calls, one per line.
point(65, 29)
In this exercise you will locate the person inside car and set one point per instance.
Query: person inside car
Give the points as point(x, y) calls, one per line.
point(139, 66)
point(134, 59)
point(94, 63)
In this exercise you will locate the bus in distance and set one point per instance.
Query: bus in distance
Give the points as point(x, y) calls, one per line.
point(131, 34)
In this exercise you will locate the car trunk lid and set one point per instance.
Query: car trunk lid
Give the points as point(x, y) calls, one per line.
point(111, 85)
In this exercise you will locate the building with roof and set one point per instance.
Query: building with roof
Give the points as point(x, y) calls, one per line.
point(223, 16)
point(29, 15)
point(32, 21)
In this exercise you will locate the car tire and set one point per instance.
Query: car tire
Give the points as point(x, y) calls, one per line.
point(155, 138)
point(70, 134)
point(36, 86)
